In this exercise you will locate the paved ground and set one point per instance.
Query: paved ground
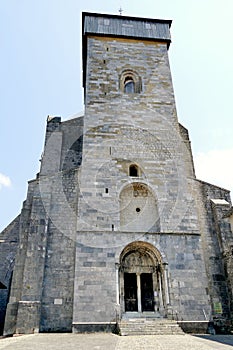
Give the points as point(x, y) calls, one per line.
point(105, 341)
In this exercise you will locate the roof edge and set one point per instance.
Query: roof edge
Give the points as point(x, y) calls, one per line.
point(210, 184)
point(168, 21)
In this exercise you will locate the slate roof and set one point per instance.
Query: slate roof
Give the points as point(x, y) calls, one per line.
point(125, 26)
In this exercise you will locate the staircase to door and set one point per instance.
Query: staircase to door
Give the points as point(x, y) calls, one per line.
point(149, 326)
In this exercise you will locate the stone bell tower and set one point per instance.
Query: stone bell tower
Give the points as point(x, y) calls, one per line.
point(137, 193)
point(131, 131)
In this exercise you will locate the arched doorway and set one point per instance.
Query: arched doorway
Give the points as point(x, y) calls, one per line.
point(143, 280)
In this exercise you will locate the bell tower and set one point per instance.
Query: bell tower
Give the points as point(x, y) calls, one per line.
point(130, 121)
point(137, 178)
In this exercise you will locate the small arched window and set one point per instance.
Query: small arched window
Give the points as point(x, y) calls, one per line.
point(133, 170)
point(130, 82)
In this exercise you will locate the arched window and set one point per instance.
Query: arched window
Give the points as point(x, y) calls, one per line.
point(130, 82)
point(133, 170)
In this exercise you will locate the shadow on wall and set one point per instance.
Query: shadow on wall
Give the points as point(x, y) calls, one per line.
point(4, 297)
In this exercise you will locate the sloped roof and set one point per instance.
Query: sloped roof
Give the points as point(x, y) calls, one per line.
point(126, 26)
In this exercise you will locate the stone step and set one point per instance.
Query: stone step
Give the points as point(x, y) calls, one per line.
point(139, 326)
point(143, 315)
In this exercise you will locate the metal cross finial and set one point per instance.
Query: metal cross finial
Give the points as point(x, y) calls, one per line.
point(120, 11)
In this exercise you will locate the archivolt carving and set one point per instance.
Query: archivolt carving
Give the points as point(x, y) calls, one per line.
point(139, 256)
point(138, 262)
point(140, 190)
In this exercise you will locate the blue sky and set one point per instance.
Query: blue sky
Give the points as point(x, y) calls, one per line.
point(41, 69)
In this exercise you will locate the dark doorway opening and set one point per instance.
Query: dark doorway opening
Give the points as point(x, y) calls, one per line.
point(130, 286)
point(147, 292)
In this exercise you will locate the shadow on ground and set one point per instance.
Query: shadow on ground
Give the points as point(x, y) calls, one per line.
point(219, 338)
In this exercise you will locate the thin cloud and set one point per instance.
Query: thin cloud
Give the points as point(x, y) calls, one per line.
point(4, 181)
point(216, 167)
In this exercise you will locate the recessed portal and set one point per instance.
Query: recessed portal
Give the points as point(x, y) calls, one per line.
point(143, 280)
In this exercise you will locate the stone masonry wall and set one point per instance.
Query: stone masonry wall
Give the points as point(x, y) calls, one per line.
point(9, 240)
point(215, 236)
point(42, 287)
point(57, 297)
point(17, 280)
point(121, 129)
point(63, 145)
point(95, 277)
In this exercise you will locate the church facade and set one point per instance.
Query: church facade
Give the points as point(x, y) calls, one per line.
point(116, 224)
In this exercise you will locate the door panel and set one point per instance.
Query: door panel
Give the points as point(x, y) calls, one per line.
point(130, 283)
point(147, 292)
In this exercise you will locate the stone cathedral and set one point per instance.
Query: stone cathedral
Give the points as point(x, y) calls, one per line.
point(116, 228)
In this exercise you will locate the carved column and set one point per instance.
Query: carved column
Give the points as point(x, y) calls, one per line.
point(166, 292)
point(160, 292)
point(139, 292)
point(117, 284)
